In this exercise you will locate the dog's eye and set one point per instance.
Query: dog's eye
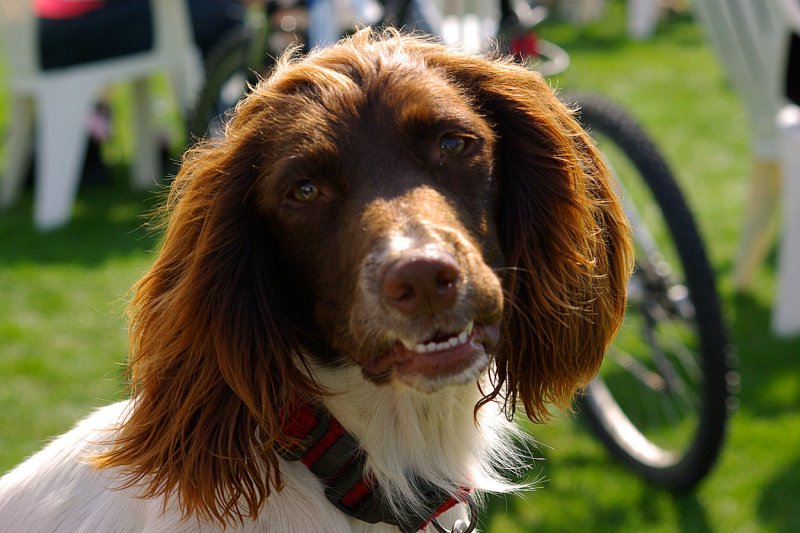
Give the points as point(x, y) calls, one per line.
point(450, 145)
point(305, 191)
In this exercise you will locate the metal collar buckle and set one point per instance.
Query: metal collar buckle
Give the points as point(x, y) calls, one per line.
point(459, 526)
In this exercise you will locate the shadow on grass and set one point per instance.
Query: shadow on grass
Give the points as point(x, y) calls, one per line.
point(778, 504)
point(602, 515)
point(768, 365)
point(692, 515)
point(108, 221)
point(593, 511)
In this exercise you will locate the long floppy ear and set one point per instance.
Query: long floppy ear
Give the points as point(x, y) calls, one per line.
point(212, 354)
point(563, 232)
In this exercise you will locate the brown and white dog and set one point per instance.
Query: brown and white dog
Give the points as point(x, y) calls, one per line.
point(392, 246)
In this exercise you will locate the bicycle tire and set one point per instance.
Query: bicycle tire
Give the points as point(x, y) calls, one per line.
point(232, 65)
point(603, 405)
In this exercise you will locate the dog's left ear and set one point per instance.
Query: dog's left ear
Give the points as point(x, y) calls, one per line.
point(564, 235)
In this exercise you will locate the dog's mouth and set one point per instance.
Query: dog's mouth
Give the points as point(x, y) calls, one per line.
point(454, 356)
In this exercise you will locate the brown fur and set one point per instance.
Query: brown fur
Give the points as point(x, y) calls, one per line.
point(230, 308)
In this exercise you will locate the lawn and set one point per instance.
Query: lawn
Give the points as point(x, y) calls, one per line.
point(63, 341)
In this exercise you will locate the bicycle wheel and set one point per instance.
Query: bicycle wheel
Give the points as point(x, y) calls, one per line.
point(663, 395)
point(233, 64)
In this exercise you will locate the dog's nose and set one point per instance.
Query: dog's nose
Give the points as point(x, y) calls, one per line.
point(422, 282)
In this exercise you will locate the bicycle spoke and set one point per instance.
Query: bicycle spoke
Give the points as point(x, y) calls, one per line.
point(648, 378)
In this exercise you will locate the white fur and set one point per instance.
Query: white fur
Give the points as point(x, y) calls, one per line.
point(402, 430)
point(433, 435)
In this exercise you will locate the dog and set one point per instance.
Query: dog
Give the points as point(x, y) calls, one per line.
point(392, 246)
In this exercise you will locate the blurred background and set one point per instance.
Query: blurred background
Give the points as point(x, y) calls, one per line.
point(63, 291)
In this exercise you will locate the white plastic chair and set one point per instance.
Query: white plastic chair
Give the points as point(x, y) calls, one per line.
point(61, 101)
point(751, 38)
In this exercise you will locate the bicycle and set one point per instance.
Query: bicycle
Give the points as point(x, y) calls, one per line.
point(662, 399)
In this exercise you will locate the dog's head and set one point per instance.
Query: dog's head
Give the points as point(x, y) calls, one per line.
point(387, 203)
point(380, 195)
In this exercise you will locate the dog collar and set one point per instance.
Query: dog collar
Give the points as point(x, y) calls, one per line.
point(333, 455)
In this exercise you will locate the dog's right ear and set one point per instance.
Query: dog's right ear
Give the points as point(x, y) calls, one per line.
point(213, 356)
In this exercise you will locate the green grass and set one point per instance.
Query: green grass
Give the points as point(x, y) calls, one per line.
point(62, 328)
point(62, 296)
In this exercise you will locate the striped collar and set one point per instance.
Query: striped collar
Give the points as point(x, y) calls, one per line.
point(334, 456)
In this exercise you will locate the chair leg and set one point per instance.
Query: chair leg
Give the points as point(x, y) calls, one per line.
point(760, 221)
point(786, 310)
point(146, 168)
point(60, 149)
point(18, 149)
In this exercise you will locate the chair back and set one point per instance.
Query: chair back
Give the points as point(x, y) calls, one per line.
point(172, 39)
point(751, 39)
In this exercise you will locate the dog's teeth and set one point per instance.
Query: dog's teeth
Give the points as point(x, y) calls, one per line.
point(452, 342)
